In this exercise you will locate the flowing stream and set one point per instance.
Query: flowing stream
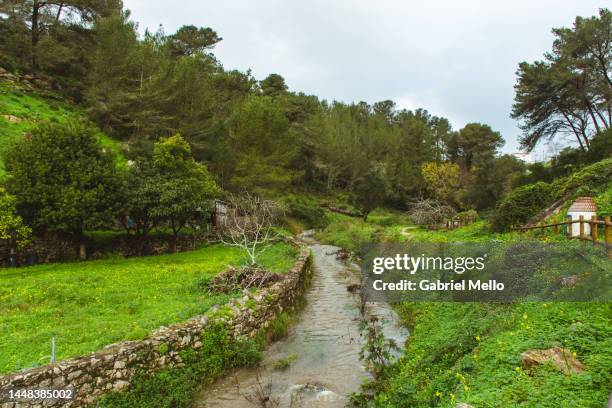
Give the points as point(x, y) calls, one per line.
point(324, 345)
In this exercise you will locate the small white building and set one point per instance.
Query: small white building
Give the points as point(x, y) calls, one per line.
point(585, 207)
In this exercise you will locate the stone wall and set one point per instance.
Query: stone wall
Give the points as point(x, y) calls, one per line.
point(112, 368)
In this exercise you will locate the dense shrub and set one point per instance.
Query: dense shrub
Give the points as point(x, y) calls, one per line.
point(307, 211)
point(521, 204)
point(63, 179)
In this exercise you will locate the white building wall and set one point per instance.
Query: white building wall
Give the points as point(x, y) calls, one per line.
point(576, 226)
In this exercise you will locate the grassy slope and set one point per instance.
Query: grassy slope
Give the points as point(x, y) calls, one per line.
point(31, 107)
point(470, 352)
point(87, 305)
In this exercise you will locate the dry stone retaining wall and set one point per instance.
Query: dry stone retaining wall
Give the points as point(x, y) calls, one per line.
point(112, 368)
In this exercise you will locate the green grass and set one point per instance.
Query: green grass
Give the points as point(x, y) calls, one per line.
point(470, 353)
point(477, 232)
point(31, 108)
point(350, 232)
point(88, 305)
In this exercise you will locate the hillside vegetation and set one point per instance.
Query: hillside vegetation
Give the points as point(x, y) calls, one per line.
point(470, 353)
point(21, 109)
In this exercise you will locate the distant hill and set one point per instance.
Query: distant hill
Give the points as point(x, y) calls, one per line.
point(22, 107)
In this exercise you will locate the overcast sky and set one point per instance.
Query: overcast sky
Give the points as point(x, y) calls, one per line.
point(454, 58)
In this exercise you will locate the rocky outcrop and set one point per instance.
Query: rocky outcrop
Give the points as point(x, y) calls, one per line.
point(562, 359)
point(112, 368)
point(27, 81)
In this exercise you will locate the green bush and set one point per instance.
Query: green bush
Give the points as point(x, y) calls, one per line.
point(604, 202)
point(307, 211)
point(521, 204)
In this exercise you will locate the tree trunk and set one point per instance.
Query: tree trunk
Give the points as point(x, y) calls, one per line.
point(82, 251)
point(35, 10)
point(59, 12)
point(173, 244)
point(589, 107)
point(569, 122)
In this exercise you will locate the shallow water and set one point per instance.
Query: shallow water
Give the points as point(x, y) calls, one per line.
point(325, 343)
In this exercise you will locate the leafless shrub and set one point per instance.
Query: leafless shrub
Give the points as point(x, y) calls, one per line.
point(249, 224)
point(430, 212)
point(261, 396)
point(242, 278)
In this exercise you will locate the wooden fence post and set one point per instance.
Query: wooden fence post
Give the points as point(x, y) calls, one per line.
point(543, 230)
point(569, 228)
point(594, 229)
point(581, 218)
point(530, 231)
point(608, 237)
point(556, 228)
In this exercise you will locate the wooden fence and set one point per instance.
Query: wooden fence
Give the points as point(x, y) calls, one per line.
point(597, 227)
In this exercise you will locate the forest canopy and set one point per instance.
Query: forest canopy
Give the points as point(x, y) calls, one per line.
point(260, 136)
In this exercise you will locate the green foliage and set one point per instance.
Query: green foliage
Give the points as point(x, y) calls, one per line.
point(280, 326)
point(171, 189)
point(470, 353)
point(521, 204)
point(474, 145)
point(63, 179)
point(262, 145)
point(346, 232)
point(176, 387)
point(490, 181)
point(184, 187)
point(284, 363)
point(466, 216)
point(306, 210)
point(189, 40)
point(370, 192)
point(273, 85)
point(568, 92)
point(12, 229)
point(29, 108)
point(443, 179)
point(480, 231)
point(587, 181)
point(604, 202)
point(54, 38)
point(87, 305)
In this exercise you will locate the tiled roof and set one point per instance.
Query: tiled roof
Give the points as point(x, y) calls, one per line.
point(583, 204)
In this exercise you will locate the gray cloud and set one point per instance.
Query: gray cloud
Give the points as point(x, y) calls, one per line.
point(455, 58)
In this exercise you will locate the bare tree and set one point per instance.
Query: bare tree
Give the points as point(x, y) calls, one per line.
point(430, 212)
point(249, 224)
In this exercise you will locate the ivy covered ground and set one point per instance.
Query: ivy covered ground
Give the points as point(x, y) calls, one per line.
point(470, 353)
